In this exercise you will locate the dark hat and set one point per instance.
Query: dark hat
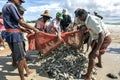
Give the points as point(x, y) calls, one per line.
point(79, 12)
point(22, 1)
point(21, 8)
point(46, 13)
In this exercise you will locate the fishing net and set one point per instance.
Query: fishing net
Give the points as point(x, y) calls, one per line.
point(45, 42)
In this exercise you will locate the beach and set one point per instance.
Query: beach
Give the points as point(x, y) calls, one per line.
point(110, 61)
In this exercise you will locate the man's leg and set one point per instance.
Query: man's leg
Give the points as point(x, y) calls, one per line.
point(99, 64)
point(14, 64)
point(90, 66)
point(21, 69)
point(21, 66)
point(28, 72)
point(103, 48)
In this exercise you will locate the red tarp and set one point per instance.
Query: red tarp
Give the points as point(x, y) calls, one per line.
point(45, 42)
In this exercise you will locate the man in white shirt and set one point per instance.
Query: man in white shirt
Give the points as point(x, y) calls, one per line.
point(101, 38)
point(54, 27)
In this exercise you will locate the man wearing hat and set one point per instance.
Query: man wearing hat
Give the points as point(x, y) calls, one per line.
point(12, 19)
point(42, 22)
point(101, 38)
point(54, 26)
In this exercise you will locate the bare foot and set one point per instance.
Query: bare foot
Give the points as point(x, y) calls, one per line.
point(99, 65)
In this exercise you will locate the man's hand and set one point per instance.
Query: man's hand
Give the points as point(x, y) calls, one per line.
point(36, 30)
point(29, 31)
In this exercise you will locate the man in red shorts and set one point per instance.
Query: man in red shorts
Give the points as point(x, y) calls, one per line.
point(101, 38)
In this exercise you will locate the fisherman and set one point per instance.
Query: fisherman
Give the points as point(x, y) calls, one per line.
point(12, 19)
point(43, 22)
point(101, 39)
point(54, 26)
point(25, 31)
point(65, 21)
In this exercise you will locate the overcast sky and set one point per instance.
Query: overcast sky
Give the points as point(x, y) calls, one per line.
point(109, 9)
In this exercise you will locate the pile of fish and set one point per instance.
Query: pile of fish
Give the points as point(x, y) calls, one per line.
point(64, 63)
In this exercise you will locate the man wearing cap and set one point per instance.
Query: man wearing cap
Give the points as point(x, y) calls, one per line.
point(54, 26)
point(101, 38)
point(12, 19)
point(26, 31)
point(43, 22)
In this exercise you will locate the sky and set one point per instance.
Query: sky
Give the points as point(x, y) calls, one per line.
point(109, 9)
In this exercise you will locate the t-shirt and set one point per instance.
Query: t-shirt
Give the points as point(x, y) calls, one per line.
point(10, 19)
point(96, 26)
point(65, 21)
point(41, 25)
point(54, 25)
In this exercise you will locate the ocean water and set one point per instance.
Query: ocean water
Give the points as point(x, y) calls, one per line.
point(111, 19)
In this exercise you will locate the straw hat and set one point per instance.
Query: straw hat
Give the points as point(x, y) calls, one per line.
point(46, 13)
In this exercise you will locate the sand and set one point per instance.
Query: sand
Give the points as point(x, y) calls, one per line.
point(110, 61)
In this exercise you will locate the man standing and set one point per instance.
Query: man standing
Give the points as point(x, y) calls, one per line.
point(66, 20)
point(12, 19)
point(101, 38)
point(54, 27)
point(42, 23)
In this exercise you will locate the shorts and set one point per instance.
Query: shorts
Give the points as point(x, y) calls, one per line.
point(17, 49)
point(105, 44)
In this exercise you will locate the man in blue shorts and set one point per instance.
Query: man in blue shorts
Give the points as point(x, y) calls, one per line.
point(14, 37)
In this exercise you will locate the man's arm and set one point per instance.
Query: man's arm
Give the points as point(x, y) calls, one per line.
point(100, 40)
point(24, 24)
